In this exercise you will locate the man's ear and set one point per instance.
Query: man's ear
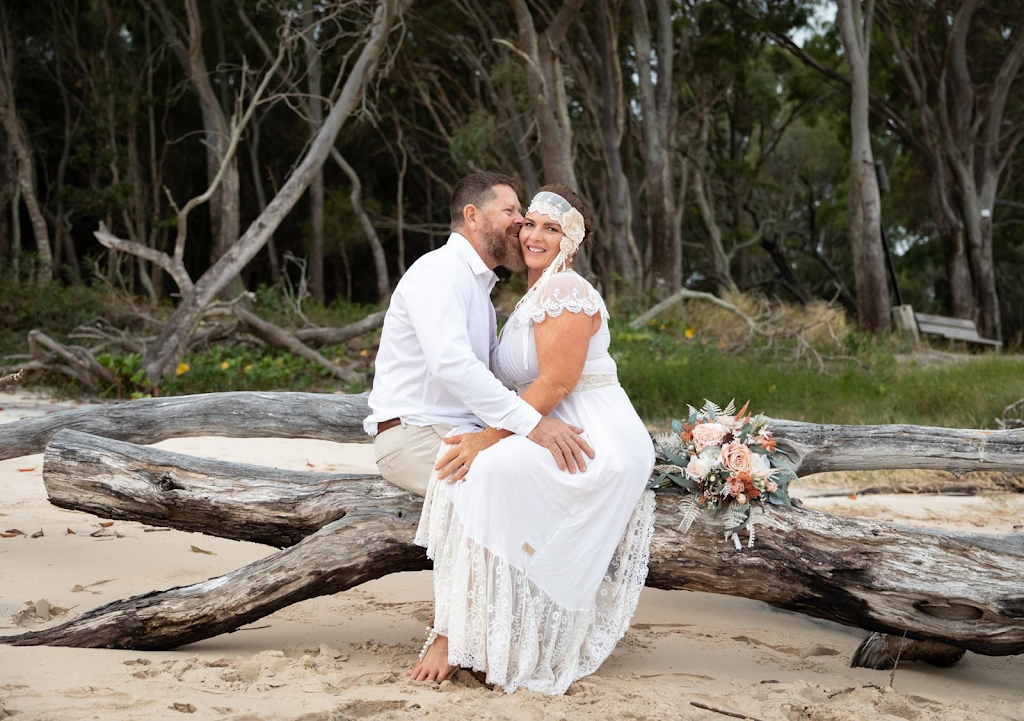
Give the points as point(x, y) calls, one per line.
point(470, 214)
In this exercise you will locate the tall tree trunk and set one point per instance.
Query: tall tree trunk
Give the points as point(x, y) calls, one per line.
point(163, 354)
point(261, 196)
point(224, 205)
point(655, 104)
point(25, 172)
point(63, 240)
point(873, 307)
point(951, 231)
point(546, 84)
point(705, 200)
point(630, 268)
point(380, 262)
point(16, 231)
point(316, 187)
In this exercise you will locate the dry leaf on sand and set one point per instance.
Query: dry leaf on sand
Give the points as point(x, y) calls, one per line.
point(197, 549)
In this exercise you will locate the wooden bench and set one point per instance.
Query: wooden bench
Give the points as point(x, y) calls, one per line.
point(961, 329)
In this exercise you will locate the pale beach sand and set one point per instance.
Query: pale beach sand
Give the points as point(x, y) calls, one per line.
point(345, 656)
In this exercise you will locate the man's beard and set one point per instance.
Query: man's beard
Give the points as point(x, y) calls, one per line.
point(504, 247)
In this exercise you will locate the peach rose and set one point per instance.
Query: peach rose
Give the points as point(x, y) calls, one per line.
point(736, 487)
point(741, 499)
point(697, 468)
point(736, 457)
point(708, 434)
point(772, 486)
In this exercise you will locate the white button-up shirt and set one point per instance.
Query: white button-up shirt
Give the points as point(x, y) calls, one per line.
point(433, 365)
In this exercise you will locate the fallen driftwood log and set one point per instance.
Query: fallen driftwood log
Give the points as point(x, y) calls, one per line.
point(863, 573)
point(232, 415)
point(816, 558)
point(813, 447)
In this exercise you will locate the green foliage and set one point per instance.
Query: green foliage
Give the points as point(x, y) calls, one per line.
point(662, 375)
point(56, 309)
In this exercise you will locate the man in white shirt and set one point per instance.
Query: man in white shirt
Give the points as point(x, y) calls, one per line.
point(432, 367)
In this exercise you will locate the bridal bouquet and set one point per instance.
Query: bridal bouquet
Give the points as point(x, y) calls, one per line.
point(728, 461)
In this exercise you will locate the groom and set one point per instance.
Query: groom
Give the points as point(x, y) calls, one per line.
point(433, 366)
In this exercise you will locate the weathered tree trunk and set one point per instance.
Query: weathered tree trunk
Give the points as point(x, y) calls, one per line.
point(166, 351)
point(115, 479)
point(334, 336)
point(25, 174)
point(873, 307)
point(858, 572)
point(231, 415)
point(546, 84)
point(380, 261)
point(813, 447)
point(613, 122)
point(316, 186)
point(705, 199)
point(656, 104)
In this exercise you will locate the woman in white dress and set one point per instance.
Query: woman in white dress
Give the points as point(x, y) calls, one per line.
point(537, 571)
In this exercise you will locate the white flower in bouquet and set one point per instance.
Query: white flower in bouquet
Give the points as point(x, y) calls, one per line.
point(698, 468)
point(711, 455)
point(759, 467)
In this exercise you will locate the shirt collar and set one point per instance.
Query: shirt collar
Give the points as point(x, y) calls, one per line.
point(461, 245)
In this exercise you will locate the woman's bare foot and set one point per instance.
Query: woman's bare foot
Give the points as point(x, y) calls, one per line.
point(434, 665)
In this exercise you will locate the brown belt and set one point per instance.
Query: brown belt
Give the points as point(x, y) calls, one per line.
point(388, 425)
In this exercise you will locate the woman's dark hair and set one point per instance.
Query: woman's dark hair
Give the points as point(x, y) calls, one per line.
point(573, 199)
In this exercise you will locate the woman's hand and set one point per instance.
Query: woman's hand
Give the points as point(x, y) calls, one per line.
point(457, 461)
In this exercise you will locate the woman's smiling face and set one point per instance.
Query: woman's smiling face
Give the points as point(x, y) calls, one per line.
point(539, 239)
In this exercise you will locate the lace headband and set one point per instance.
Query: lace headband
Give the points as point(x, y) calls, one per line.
point(561, 211)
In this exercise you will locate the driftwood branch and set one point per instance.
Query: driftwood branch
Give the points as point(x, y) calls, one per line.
point(75, 361)
point(280, 338)
point(818, 447)
point(334, 336)
point(11, 378)
point(685, 294)
point(231, 415)
point(813, 447)
point(863, 573)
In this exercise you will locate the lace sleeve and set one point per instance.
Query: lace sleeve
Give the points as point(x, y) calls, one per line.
point(567, 292)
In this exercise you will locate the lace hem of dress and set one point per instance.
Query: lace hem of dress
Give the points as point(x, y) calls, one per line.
point(559, 301)
point(498, 621)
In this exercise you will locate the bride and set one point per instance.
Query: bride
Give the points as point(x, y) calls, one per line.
point(537, 572)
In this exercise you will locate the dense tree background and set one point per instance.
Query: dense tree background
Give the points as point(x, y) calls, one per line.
point(711, 138)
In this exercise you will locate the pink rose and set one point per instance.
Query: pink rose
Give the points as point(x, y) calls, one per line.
point(772, 486)
point(697, 468)
point(736, 457)
point(708, 434)
point(736, 487)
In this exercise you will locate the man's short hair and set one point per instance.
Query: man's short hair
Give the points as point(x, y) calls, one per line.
point(475, 189)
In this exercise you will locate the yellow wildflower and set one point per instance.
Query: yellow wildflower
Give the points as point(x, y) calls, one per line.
point(364, 353)
point(182, 368)
point(224, 365)
point(690, 332)
point(247, 368)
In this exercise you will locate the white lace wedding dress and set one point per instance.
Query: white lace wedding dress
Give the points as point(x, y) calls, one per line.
point(537, 571)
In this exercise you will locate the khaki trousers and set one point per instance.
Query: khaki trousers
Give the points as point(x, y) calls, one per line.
point(406, 454)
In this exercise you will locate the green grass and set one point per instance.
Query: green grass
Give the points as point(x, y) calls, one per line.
point(660, 368)
point(661, 376)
